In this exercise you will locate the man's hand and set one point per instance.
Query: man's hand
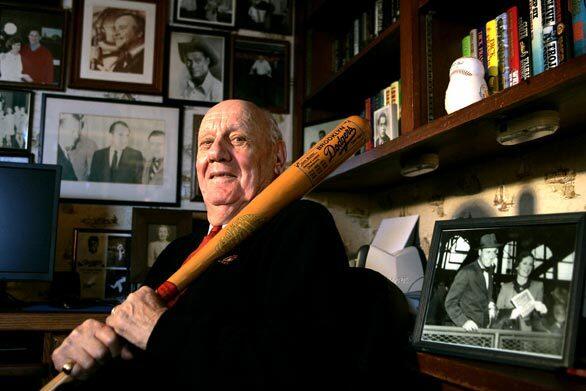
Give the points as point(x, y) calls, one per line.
point(89, 345)
point(470, 325)
point(491, 310)
point(540, 307)
point(136, 318)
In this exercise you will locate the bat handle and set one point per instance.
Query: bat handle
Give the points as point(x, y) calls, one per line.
point(62, 378)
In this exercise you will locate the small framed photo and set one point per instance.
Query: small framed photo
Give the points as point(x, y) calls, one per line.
point(33, 45)
point(118, 45)
point(153, 230)
point(196, 195)
point(505, 289)
point(16, 115)
point(208, 13)
point(113, 151)
point(260, 72)
point(268, 16)
point(313, 133)
point(198, 67)
point(386, 125)
point(102, 259)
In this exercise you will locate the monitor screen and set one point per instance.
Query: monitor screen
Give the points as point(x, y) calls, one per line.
point(29, 199)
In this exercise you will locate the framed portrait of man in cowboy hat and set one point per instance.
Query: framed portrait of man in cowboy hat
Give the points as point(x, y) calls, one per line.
point(197, 67)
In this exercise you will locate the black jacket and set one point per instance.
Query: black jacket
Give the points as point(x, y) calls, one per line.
point(130, 166)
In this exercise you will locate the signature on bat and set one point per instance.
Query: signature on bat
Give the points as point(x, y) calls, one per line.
point(341, 146)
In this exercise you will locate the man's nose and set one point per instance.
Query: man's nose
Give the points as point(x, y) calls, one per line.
point(218, 151)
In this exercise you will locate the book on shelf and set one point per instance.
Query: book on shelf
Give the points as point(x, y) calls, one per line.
point(368, 117)
point(356, 37)
point(481, 47)
point(550, 43)
point(395, 90)
point(535, 13)
point(502, 28)
point(513, 32)
point(466, 46)
point(578, 12)
point(474, 43)
point(492, 57)
point(524, 29)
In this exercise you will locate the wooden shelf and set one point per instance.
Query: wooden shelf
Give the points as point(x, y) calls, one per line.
point(469, 133)
point(476, 375)
point(375, 67)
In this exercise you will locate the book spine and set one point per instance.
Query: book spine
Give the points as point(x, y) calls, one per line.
point(466, 46)
point(563, 25)
point(378, 17)
point(503, 49)
point(481, 38)
point(514, 64)
point(356, 37)
point(396, 100)
point(492, 58)
point(387, 95)
point(368, 117)
point(526, 66)
point(474, 43)
point(579, 26)
point(536, 36)
point(550, 44)
point(394, 122)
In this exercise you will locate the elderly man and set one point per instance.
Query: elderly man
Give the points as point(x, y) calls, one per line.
point(469, 301)
point(263, 317)
point(198, 56)
point(129, 41)
point(37, 60)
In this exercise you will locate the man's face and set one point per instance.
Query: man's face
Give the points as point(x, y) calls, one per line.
point(93, 245)
point(69, 131)
point(197, 64)
point(34, 37)
point(235, 158)
point(157, 146)
point(382, 125)
point(125, 31)
point(488, 256)
point(120, 137)
point(163, 232)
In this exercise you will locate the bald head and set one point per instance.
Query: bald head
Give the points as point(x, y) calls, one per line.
point(240, 151)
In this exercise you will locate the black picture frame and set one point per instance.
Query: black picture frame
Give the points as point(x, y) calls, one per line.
point(57, 45)
point(273, 16)
point(196, 195)
point(204, 17)
point(30, 98)
point(25, 158)
point(177, 77)
point(98, 107)
point(550, 240)
point(259, 56)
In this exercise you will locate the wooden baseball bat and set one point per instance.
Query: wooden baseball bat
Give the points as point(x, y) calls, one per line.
point(303, 175)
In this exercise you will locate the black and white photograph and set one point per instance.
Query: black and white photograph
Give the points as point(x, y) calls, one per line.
point(160, 235)
point(196, 195)
point(198, 67)
point(504, 289)
point(269, 16)
point(261, 73)
point(15, 120)
point(33, 46)
point(130, 155)
point(118, 251)
point(210, 13)
point(117, 285)
point(117, 45)
point(386, 125)
point(313, 133)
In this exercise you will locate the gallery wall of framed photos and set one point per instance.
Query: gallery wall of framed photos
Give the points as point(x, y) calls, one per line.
point(84, 80)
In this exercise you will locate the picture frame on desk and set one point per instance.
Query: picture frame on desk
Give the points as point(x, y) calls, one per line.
point(524, 308)
point(102, 259)
point(33, 46)
point(152, 231)
point(113, 151)
point(127, 62)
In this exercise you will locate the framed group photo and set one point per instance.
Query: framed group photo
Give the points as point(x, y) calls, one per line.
point(118, 45)
point(16, 107)
point(505, 289)
point(267, 16)
point(260, 72)
point(208, 13)
point(152, 231)
point(198, 67)
point(33, 47)
point(113, 151)
point(102, 260)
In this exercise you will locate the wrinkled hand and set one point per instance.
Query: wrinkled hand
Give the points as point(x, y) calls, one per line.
point(135, 319)
point(470, 325)
point(515, 313)
point(89, 345)
point(540, 307)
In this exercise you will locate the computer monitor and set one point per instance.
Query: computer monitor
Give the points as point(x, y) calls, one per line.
point(29, 201)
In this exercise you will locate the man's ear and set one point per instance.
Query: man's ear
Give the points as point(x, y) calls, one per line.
point(281, 157)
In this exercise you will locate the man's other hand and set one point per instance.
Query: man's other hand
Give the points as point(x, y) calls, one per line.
point(470, 325)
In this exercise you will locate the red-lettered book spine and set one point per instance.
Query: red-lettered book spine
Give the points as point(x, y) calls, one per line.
point(514, 60)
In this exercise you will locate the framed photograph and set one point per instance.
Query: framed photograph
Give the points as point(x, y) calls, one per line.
point(118, 45)
point(16, 120)
point(102, 259)
point(33, 45)
point(196, 195)
point(261, 72)
point(153, 230)
point(198, 67)
point(386, 125)
point(209, 13)
point(269, 16)
point(313, 133)
point(504, 289)
point(113, 151)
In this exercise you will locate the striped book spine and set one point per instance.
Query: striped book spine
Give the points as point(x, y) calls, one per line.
point(536, 36)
